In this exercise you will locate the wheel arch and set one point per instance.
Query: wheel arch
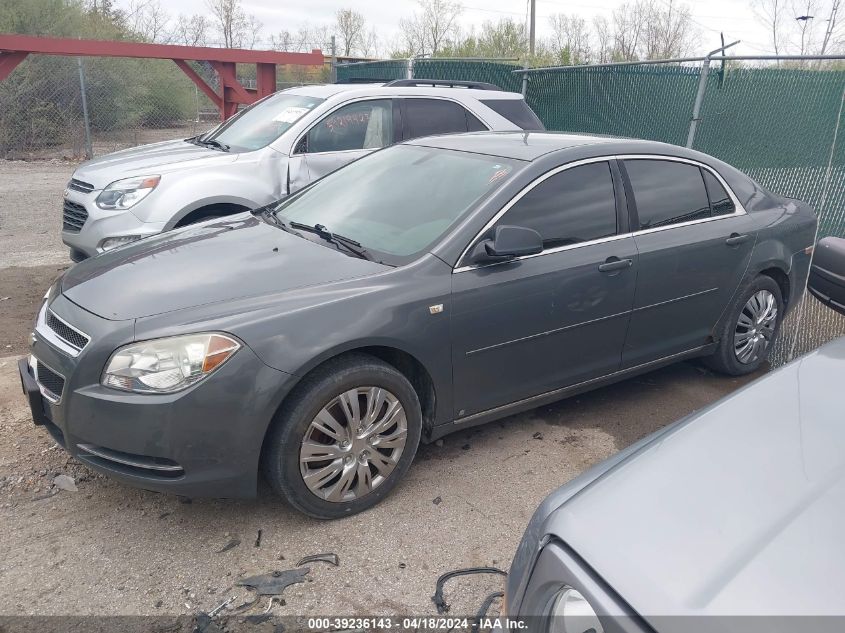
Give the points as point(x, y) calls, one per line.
point(235, 203)
point(404, 361)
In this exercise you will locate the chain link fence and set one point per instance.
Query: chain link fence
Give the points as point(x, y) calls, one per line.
point(129, 102)
point(777, 121)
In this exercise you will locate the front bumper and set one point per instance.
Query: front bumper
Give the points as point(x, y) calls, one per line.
point(202, 442)
point(100, 224)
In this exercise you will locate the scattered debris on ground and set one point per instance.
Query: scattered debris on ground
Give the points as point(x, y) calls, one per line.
point(438, 599)
point(64, 482)
point(232, 544)
point(331, 558)
point(274, 583)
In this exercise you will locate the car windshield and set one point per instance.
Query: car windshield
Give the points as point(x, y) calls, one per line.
point(261, 124)
point(399, 201)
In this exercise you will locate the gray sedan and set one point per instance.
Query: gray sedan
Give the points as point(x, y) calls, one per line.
point(429, 287)
point(735, 511)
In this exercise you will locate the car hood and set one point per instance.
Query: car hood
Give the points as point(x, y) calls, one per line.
point(238, 257)
point(736, 511)
point(155, 158)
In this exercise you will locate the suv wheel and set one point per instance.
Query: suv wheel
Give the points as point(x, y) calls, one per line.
point(750, 330)
point(345, 438)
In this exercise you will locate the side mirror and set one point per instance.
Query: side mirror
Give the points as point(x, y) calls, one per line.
point(508, 242)
point(827, 273)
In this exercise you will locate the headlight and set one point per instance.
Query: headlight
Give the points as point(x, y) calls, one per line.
point(126, 193)
point(571, 613)
point(167, 364)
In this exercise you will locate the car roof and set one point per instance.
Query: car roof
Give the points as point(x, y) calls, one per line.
point(519, 145)
point(326, 91)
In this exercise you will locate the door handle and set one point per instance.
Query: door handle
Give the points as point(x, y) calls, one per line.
point(736, 239)
point(614, 263)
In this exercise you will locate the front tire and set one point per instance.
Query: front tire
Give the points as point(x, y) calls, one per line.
point(345, 438)
point(750, 329)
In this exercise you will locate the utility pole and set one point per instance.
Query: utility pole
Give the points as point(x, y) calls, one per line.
point(531, 30)
point(333, 74)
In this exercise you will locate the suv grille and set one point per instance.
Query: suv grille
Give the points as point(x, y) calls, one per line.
point(52, 382)
point(78, 185)
point(73, 217)
point(69, 335)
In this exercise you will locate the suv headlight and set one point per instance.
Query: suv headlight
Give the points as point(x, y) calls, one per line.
point(571, 613)
point(166, 365)
point(126, 193)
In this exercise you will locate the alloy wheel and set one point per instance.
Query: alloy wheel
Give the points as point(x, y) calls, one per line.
point(755, 327)
point(353, 444)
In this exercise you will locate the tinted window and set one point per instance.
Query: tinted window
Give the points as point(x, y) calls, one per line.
point(362, 125)
point(576, 205)
point(516, 111)
point(434, 116)
point(720, 201)
point(667, 192)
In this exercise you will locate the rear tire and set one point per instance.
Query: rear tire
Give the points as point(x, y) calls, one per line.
point(345, 438)
point(750, 329)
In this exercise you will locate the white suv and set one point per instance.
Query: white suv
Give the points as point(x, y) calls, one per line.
point(266, 152)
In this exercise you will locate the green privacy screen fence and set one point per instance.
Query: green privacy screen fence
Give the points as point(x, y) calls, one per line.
point(780, 125)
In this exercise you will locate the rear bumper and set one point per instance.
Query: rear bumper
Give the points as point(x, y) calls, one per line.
point(202, 442)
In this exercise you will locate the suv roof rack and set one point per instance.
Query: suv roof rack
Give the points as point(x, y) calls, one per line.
point(477, 85)
point(361, 80)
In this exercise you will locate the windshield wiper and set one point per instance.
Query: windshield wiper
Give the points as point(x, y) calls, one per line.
point(338, 240)
point(214, 143)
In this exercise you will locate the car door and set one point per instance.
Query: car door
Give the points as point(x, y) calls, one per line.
point(345, 134)
point(695, 243)
point(541, 322)
point(424, 117)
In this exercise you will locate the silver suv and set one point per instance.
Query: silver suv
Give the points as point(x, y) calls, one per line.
point(266, 152)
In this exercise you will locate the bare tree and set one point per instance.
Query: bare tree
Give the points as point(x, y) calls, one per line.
point(149, 20)
point(630, 21)
point(426, 32)
point(570, 41)
point(191, 31)
point(604, 40)
point(351, 26)
point(771, 13)
point(238, 29)
point(669, 31)
point(370, 44)
point(804, 12)
point(832, 27)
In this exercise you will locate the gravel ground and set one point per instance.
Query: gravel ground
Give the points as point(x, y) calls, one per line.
point(31, 212)
point(107, 549)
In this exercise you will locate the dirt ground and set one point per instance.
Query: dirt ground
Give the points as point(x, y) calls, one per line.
point(107, 549)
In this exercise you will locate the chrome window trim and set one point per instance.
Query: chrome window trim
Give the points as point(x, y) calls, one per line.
point(51, 337)
point(390, 97)
point(739, 209)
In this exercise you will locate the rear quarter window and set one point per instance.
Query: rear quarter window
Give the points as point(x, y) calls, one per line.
point(516, 111)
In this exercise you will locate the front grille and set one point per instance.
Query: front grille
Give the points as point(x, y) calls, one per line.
point(52, 382)
point(78, 185)
point(73, 217)
point(68, 334)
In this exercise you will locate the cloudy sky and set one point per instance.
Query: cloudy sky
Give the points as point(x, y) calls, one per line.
point(735, 17)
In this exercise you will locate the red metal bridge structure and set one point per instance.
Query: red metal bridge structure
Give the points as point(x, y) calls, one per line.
point(15, 48)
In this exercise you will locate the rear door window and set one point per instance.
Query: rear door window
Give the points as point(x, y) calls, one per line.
point(667, 192)
point(423, 117)
point(516, 111)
